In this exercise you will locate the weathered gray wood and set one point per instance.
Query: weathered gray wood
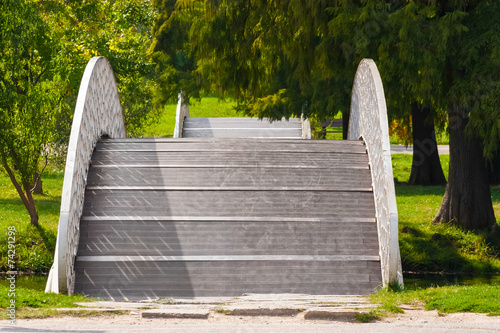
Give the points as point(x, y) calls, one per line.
point(193, 144)
point(230, 203)
point(194, 279)
point(225, 177)
point(228, 219)
point(241, 128)
point(228, 212)
point(243, 121)
point(228, 159)
point(243, 133)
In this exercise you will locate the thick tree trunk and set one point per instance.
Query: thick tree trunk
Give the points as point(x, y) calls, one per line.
point(467, 199)
point(494, 170)
point(426, 167)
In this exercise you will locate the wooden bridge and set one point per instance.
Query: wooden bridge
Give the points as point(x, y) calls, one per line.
point(228, 206)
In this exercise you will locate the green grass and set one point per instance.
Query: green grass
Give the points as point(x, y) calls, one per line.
point(401, 164)
point(27, 297)
point(210, 107)
point(164, 126)
point(475, 298)
point(441, 138)
point(213, 107)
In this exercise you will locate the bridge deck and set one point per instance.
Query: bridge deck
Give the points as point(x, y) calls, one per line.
point(210, 217)
point(241, 127)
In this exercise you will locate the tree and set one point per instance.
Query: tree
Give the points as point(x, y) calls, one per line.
point(471, 74)
point(175, 62)
point(120, 30)
point(426, 166)
point(446, 52)
point(410, 58)
point(29, 95)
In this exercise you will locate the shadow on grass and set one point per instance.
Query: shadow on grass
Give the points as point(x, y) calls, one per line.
point(423, 252)
point(45, 204)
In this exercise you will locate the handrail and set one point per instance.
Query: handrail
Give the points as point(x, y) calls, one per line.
point(368, 121)
point(98, 112)
point(181, 113)
point(306, 128)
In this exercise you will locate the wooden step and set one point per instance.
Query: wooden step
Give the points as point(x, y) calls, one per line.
point(213, 217)
point(241, 128)
point(133, 280)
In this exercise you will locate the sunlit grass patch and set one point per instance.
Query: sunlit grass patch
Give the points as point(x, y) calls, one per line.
point(449, 299)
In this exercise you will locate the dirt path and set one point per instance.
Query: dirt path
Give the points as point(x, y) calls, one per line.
point(413, 320)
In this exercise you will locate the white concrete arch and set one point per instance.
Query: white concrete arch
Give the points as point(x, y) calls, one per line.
point(98, 112)
point(368, 121)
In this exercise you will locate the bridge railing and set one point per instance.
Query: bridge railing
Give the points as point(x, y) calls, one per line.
point(368, 121)
point(98, 112)
point(181, 113)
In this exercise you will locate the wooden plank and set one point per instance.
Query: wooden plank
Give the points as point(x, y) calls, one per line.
point(183, 279)
point(229, 158)
point(231, 141)
point(193, 144)
point(225, 177)
point(230, 203)
point(275, 133)
point(227, 219)
point(104, 251)
point(243, 121)
point(135, 268)
point(242, 225)
point(228, 188)
point(128, 293)
point(232, 258)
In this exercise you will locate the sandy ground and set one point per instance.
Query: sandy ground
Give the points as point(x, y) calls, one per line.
point(413, 320)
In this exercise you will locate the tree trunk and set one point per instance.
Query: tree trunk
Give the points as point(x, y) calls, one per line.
point(26, 198)
point(38, 185)
point(32, 208)
point(467, 199)
point(494, 170)
point(345, 124)
point(426, 167)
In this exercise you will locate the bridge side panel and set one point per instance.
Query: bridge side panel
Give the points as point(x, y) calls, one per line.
point(98, 112)
point(368, 121)
point(181, 113)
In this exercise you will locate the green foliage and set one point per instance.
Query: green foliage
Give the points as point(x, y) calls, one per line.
point(118, 30)
point(476, 298)
point(29, 94)
point(171, 52)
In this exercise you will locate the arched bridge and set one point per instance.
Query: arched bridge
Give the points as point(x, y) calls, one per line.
point(228, 206)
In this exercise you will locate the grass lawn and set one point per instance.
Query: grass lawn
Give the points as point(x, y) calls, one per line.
point(209, 107)
point(476, 298)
